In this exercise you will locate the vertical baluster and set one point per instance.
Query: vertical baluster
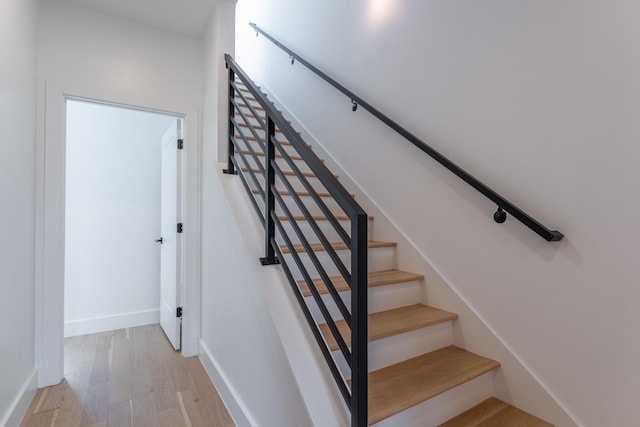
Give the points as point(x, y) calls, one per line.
point(269, 199)
point(231, 169)
point(359, 333)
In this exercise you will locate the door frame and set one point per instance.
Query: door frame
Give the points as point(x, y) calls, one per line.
point(50, 222)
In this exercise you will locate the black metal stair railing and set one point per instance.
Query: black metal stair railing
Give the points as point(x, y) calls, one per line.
point(267, 183)
point(504, 206)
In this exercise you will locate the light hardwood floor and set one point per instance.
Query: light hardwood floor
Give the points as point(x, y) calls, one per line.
point(128, 378)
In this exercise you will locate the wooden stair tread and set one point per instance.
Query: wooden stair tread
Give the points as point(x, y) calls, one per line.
point(252, 138)
point(495, 413)
point(249, 97)
point(376, 278)
point(317, 218)
point(288, 173)
point(338, 246)
point(258, 127)
point(255, 107)
point(406, 384)
point(299, 193)
point(392, 322)
point(278, 155)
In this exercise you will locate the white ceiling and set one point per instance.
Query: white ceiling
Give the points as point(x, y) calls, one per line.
point(188, 17)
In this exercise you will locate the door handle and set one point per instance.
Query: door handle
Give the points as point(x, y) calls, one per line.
point(159, 240)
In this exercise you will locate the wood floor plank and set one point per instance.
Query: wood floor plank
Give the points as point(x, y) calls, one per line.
point(171, 418)
point(144, 410)
point(69, 406)
point(41, 419)
point(183, 410)
point(120, 415)
point(52, 398)
point(128, 377)
point(165, 396)
point(32, 407)
point(190, 403)
point(96, 404)
point(120, 377)
point(140, 381)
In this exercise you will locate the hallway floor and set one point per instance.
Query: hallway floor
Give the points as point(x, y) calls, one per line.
point(128, 378)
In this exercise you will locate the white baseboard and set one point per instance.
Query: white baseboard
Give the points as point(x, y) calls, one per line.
point(18, 408)
point(238, 411)
point(74, 328)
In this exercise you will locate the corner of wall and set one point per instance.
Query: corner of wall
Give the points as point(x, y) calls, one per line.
point(20, 404)
point(232, 400)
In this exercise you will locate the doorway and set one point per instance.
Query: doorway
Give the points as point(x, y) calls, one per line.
point(117, 249)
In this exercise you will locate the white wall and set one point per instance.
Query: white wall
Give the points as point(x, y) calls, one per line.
point(537, 99)
point(18, 20)
point(239, 344)
point(112, 264)
point(85, 54)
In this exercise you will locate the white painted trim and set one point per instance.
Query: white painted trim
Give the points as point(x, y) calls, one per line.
point(20, 404)
point(50, 225)
point(112, 322)
point(236, 407)
point(191, 242)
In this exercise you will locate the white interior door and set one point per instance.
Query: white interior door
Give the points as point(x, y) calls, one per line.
point(170, 216)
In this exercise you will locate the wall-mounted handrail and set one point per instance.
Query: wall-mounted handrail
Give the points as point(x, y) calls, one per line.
point(503, 204)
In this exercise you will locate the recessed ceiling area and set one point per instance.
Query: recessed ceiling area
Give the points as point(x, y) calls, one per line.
point(188, 17)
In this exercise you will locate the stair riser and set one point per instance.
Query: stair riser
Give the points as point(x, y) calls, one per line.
point(325, 226)
point(445, 406)
point(397, 348)
point(380, 298)
point(379, 259)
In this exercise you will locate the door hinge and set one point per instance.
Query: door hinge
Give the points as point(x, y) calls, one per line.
point(179, 227)
point(179, 312)
point(180, 144)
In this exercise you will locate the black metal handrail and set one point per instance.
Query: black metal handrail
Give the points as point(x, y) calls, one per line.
point(260, 184)
point(504, 205)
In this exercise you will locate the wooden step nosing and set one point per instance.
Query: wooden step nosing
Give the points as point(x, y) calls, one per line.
point(278, 155)
point(443, 317)
point(287, 173)
point(252, 138)
point(495, 412)
point(299, 194)
point(341, 285)
point(480, 366)
point(318, 218)
point(245, 105)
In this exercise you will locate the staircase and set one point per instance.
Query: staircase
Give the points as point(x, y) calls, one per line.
point(411, 359)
